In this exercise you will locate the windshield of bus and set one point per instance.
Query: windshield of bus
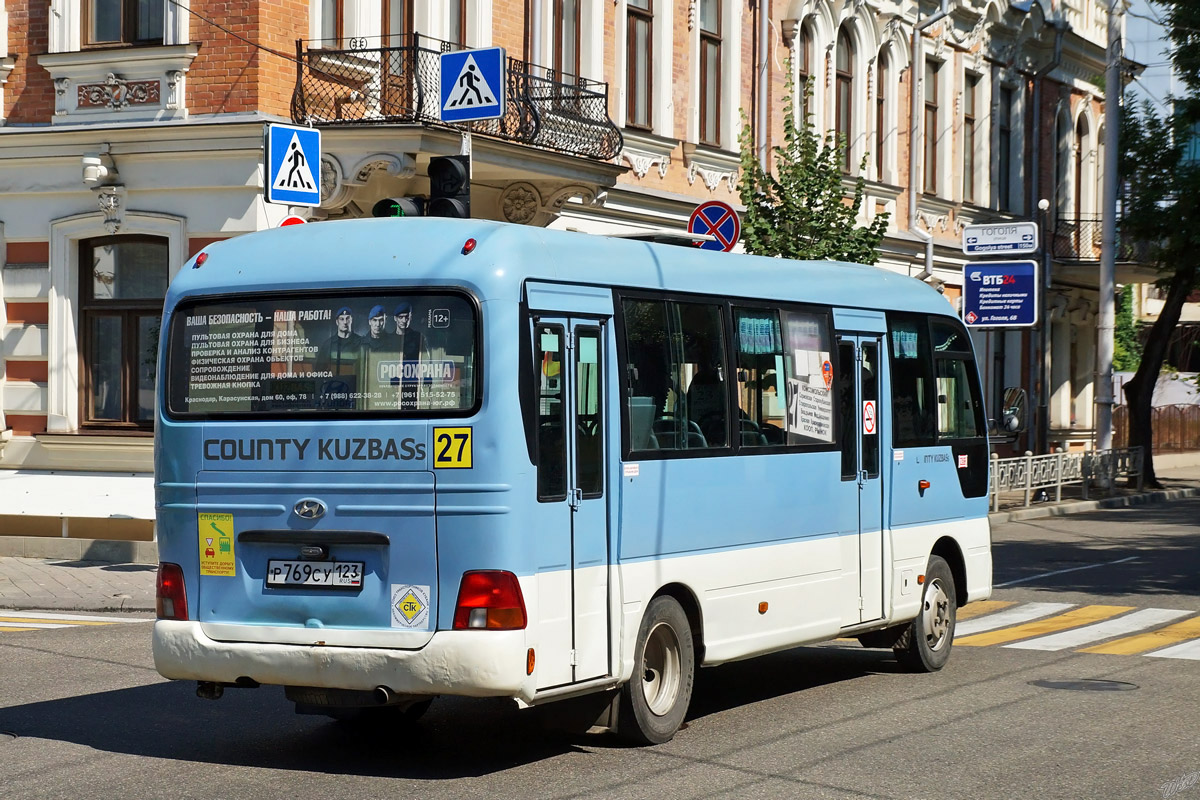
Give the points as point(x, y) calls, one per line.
point(335, 354)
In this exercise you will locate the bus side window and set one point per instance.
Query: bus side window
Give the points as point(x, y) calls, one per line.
point(549, 343)
point(959, 410)
point(589, 433)
point(912, 382)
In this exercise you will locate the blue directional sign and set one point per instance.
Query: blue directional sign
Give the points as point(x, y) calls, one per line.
point(1000, 294)
point(293, 165)
point(718, 220)
point(473, 84)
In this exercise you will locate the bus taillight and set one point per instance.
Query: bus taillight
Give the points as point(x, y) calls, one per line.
point(489, 599)
point(170, 599)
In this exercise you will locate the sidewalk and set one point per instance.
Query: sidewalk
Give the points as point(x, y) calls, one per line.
point(65, 585)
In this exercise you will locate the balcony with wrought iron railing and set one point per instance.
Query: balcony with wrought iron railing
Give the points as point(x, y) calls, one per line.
point(401, 85)
point(1080, 239)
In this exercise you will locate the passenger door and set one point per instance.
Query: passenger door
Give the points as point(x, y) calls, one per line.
point(572, 437)
point(861, 418)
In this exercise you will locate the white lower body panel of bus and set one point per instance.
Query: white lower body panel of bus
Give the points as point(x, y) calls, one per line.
point(474, 663)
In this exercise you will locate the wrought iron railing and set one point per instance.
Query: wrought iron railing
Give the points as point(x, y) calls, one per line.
point(401, 84)
point(1027, 476)
point(1080, 238)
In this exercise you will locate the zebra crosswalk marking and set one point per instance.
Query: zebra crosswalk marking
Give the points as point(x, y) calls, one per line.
point(1188, 650)
point(14, 621)
point(1138, 620)
point(46, 622)
point(1152, 640)
point(981, 607)
point(1070, 619)
point(1013, 616)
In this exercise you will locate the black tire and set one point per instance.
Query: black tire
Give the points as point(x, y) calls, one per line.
point(656, 698)
point(925, 644)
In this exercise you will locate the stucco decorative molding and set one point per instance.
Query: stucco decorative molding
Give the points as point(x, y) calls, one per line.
point(335, 192)
point(586, 194)
point(117, 93)
point(400, 165)
point(692, 14)
point(934, 220)
point(61, 87)
point(641, 162)
point(111, 201)
point(175, 88)
point(712, 166)
point(520, 203)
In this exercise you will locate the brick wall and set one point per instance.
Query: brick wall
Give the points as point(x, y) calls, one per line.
point(29, 93)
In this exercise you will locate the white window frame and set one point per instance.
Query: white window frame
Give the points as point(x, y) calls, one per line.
point(63, 329)
point(662, 114)
point(731, 76)
point(66, 22)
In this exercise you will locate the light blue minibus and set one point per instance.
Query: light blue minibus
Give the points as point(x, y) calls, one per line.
point(404, 458)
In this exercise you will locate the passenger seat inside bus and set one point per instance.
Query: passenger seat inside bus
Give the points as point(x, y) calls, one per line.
point(666, 431)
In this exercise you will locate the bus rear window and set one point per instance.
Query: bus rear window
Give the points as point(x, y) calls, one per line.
point(378, 353)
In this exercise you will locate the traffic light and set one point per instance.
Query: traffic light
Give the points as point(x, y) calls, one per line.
point(450, 187)
point(399, 207)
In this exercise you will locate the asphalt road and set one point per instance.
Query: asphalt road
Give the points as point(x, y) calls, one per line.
point(92, 719)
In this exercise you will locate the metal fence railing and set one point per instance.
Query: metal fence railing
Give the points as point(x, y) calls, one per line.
point(1079, 239)
point(1023, 477)
point(1175, 429)
point(401, 85)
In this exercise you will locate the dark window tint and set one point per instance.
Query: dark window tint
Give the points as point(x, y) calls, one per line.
point(589, 416)
point(912, 382)
point(847, 416)
point(869, 408)
point(549, 346)
point(677, 380)
point(959, 410)
point(324, 354)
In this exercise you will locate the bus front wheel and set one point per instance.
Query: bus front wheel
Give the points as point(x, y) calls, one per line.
point(925, 644)
point(655, 700)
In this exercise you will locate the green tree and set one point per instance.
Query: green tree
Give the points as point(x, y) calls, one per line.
point(1127, 350)
point(799, 209)
point(1161, 206)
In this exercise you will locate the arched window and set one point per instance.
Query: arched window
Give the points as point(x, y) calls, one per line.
point(1062, 166)
point(639, 58)
point(845, 92)
point(710, 72)
point(1082, 153)
point(881, 77)
point(804, 57)
point(122, 282)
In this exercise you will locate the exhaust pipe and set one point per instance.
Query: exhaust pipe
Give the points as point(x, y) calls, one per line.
point(384, 696)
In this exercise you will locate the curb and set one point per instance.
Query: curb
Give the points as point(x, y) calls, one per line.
point(1083, 506)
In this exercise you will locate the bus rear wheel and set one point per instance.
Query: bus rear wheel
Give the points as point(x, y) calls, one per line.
point(925, 644)
point(655, 700)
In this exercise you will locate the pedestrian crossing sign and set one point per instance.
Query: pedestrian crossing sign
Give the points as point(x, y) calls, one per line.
point(293, 165)
point(473, 84)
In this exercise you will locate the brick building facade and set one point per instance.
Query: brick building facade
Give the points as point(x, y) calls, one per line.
point(130, 141)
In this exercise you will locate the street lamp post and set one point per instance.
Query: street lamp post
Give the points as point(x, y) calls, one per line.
point(1043, 394)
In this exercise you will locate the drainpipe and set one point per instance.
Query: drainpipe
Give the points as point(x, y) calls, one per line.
point(764, 116)
point(917, 80)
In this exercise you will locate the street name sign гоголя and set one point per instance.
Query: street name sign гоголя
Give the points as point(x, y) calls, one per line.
point(1000, 238)
point(1000, 294)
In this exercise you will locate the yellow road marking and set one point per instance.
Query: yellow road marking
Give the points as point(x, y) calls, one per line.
point(978, 609)
point(1143, 642)
point(1071, 619)
point(53, 621)
point(14, 630)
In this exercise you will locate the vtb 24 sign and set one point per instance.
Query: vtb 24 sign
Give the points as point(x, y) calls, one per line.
point(1000, 294)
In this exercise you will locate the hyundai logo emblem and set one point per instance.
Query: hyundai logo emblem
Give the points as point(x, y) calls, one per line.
point(309, 509)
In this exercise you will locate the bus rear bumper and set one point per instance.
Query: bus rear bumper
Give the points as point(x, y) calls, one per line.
point(469, 663)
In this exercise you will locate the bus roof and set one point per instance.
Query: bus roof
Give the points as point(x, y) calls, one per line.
point(429, 251)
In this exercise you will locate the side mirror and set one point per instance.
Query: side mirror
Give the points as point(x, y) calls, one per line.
point(1013, 417)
